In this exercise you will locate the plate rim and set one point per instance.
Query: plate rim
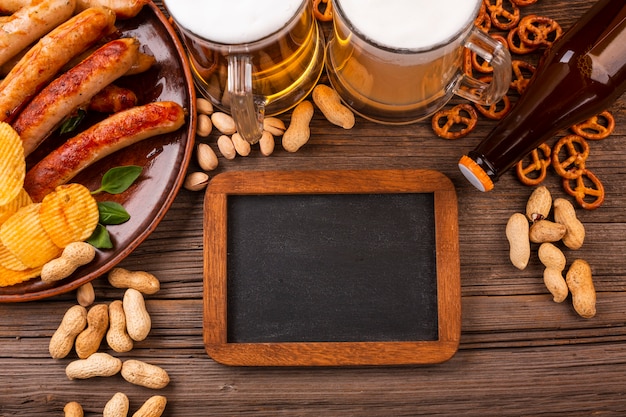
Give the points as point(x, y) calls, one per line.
point(190, 125)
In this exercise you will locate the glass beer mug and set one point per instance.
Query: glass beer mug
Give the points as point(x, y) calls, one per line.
point(399, 61)
point(251, 58)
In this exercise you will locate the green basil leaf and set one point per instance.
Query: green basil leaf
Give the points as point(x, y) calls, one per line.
point(100, 238)
point(112, 213)
point(72, 122)
point(118, 179)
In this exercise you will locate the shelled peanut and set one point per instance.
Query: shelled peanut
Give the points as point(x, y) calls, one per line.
point(230, 144)
point(535, 227)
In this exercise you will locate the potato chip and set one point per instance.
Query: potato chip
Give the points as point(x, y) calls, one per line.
point(69, 214)
point(9, 277)
point(12, 206)
point(25, 237)
point(10, 261)
point(12, 163)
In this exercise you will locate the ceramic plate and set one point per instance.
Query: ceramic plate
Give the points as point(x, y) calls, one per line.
point(164, 158)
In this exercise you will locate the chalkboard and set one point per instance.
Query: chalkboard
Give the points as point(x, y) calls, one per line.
point(331, 268)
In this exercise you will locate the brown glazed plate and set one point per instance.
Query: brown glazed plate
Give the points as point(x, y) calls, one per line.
point(164, 158)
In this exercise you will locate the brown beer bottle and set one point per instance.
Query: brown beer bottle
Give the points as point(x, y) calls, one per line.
point(581, 75)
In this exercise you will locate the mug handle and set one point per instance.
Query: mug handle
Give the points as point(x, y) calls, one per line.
point(247, 114)
point(500, 59)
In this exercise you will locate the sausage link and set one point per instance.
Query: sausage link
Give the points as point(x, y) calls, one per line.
point(12, 6)
point(124, 9)
point(70, 90)
point(102, 139)
point(112, 99)
point(40, 64)
point(30, 23)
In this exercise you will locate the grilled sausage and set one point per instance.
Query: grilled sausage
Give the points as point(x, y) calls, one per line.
point(76, 87)
point(102, 139)
point(12, 6)
point(40, 64)
point(30, 23)
point(124, 9)
point(144, 63)
point(112, 99)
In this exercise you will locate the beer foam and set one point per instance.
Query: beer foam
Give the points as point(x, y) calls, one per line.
point(409, 24)
point(232, 21)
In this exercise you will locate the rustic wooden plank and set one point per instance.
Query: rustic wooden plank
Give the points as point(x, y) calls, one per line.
point(520, 353)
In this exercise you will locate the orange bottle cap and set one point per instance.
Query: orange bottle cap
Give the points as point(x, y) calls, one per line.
point(475, 174)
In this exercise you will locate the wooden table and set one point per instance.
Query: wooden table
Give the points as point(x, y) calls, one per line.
point(520, 353)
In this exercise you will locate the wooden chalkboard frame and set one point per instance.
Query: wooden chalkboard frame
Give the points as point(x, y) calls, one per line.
point(366, 353)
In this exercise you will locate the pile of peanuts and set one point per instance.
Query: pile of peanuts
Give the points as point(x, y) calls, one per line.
point(230, 143)
point(535, 227)
point(121, 323)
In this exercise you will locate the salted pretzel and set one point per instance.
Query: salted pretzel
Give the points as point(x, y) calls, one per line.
point(585, 186)
point(577, 151)
point(516, 45)
point(468, 69)
point(520, 69)
point(536, 30)
point(497, 110)
point(456, 122)
point(596, 127)
point(522, 3)
point(483, 20)
point(537, 169)
point(323, 13)
point(481, 65)
point(503, 17)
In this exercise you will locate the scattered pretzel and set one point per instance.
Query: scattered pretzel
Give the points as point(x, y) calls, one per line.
point(597, 127)
point(497, 110)
point(325, 13)
point(483, 20)
point(504, 18)
point(456, 122)
point(480, 64)
point(516, 45)
point(468, 68)
point(536, 30)
point(535, 172)
point(573, 165)
point(586, 185)
point(521, 68)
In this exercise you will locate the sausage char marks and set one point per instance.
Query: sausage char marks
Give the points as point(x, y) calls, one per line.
point(29, 22)
point(72, 89)
point(42, 62)
point(102, 139)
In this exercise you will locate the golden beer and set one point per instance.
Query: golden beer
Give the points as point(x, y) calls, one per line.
point(286, 60)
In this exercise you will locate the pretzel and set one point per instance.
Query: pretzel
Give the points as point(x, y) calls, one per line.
point(593, 128)
point(483, 21)
point(516, 45)
point(520, 82)
point(573, 165)
point(586, 185)
point(480, 64)
point(535, 172)
point(497, 110)
point(539, 30)
point(325, 15)
point(458, 121)
point(504, 18)
point(468, 68)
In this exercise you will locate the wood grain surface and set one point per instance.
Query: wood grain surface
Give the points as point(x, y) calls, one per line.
point(520, 353)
